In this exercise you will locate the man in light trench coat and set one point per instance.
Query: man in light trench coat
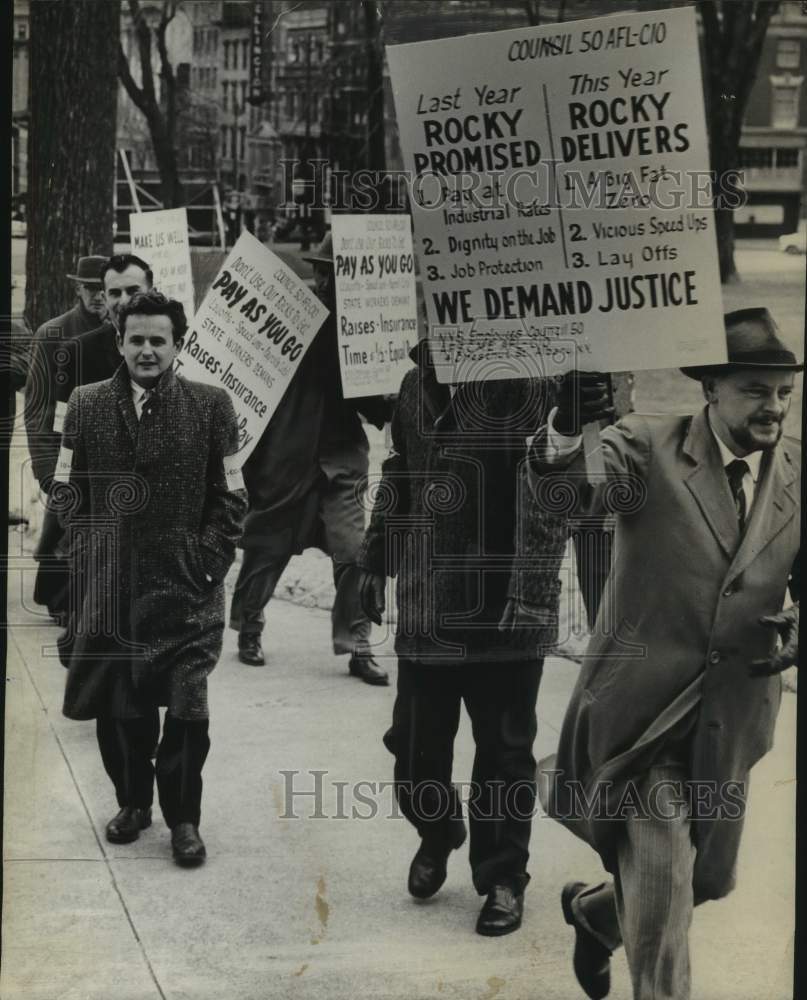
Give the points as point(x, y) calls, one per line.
point(153, 499)
point(679, 690)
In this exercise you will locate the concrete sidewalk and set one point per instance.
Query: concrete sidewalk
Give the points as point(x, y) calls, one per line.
point(312, 908)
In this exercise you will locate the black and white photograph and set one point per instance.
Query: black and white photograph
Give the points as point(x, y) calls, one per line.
point(404, 479)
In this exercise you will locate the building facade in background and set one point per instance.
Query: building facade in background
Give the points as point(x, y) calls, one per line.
point(264, 83)
point(774, 137)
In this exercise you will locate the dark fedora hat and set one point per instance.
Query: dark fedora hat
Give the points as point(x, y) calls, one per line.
point(88, 271)
point(323, 254)
point(752, 341)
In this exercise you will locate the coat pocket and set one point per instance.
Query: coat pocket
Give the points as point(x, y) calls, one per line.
point(195, 564)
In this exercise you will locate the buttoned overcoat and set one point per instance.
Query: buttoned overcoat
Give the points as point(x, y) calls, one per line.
point(453, 520)
point(151, 513)
point(676, 633)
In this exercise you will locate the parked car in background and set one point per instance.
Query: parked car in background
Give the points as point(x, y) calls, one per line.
point(795, 242)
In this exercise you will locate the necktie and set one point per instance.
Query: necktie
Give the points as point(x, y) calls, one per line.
point(736, 471)
point(144, 400)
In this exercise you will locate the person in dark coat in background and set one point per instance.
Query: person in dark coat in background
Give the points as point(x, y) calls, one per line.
point(94, 355)
point(89, 357)
point(304, 481)
point(46, 372)
point(478, 590)
point(154, 505)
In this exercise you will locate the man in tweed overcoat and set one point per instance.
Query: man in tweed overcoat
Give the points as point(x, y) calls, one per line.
point(478, 591)
point(154, 505)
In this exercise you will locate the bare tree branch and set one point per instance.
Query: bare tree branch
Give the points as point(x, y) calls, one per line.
point(129, 85)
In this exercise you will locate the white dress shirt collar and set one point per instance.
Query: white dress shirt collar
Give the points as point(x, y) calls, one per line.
point(727, 456)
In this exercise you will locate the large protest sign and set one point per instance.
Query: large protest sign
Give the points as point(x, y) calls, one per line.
point(161, 239)
point(250, 333)
point(560, 196)
point(376, 304)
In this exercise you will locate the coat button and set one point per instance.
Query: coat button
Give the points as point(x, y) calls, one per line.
point(728, 592)
point(714, 656)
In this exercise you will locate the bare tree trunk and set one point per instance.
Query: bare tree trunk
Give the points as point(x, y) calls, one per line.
point(376, 158)
point(161, 121)
point(71, 153)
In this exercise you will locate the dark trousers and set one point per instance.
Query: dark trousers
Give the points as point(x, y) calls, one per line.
point(126, 747)
point(53, 582)
point(500, 700)
point(258, 577)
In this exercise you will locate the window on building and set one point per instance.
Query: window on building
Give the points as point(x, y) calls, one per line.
point(785, 107)
point(319, 50)
point(242, 138)
point(234, 143)
point(225, 90)
point(226, 55)
point(195, 41)
point(290, 102)
point(294, 52)
point(223, 142)
point(788, 53)
point(243, 93)
point(756, 156)
point(244, 53)
point(787, 157)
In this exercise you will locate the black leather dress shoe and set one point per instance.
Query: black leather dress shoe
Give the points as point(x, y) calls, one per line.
point(126, 826)
point(365, 667)
point(187, 846)
point(249, 650)
point(501, 913)
point(429, 865)
point(592, 960)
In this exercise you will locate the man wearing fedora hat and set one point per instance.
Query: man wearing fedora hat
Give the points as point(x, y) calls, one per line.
point(40, 405)
point(304, 480)
point(679, 690)
point(93, 356)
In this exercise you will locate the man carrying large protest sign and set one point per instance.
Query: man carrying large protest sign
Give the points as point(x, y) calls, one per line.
point(40, 408)
point(153, 518)
point(477, 591)
point(707, 542)
point(304, 479)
